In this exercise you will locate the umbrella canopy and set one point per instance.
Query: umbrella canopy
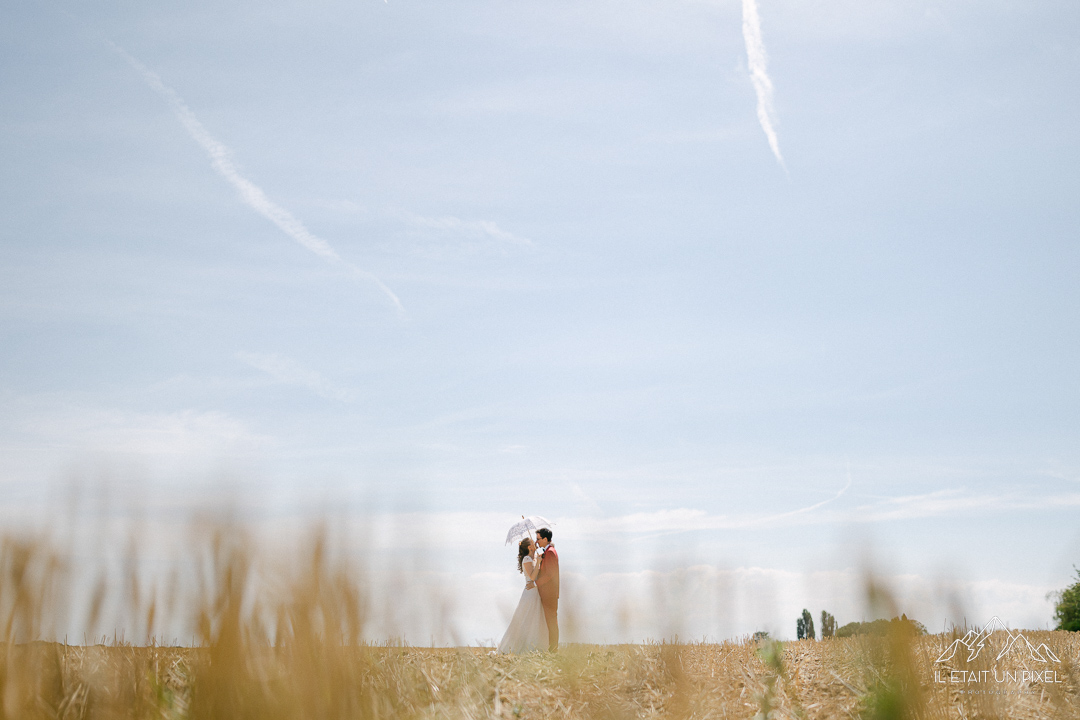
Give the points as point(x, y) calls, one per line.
point(526, 527)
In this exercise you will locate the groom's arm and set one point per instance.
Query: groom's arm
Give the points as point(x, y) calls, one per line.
point(553, 558)
point(542, 575)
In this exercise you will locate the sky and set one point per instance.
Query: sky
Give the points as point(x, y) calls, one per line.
point(745, 296)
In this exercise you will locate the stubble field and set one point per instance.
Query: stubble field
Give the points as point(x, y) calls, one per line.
point(833, 678)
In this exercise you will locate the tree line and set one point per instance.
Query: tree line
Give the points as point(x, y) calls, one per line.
point(804, 626)
point(1066, 616)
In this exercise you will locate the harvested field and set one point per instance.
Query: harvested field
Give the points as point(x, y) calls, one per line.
point(290, 644)
point(833, 678)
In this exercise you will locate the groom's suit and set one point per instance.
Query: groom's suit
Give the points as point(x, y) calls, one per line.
point(547, 584)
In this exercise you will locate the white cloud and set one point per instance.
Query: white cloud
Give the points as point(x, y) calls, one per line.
point(45, 438)
point(679, 520)
point(478, 528)
point(757, 61)
point(287, 371)
point(250, 193)
point(183, 434)
point(476, 229)
point(953, 502)
point(958, 502)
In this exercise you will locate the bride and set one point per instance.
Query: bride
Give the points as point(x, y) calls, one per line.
point(528, 629)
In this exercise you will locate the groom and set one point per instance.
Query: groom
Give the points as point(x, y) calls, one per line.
point(547, 584)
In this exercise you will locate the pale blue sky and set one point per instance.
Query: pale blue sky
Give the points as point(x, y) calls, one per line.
point(615, 300)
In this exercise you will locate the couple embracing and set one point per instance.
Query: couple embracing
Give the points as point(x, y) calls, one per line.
point(535, 624)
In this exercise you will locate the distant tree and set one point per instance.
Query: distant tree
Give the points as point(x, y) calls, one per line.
point(903, 624)
point(800, 629)
point(1067, 609)
point(761, 636)
point(911, 625)
point(828, 625)
point(808, 625)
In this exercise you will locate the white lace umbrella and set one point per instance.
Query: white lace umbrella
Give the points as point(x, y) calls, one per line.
point(525, 528)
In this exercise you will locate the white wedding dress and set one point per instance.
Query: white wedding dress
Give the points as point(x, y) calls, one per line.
point(528, 628)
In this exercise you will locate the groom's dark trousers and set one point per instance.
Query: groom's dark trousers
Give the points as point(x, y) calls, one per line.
point(547, 584)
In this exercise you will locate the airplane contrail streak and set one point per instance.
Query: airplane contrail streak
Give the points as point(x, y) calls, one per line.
point(250, 193)
point(757, 62)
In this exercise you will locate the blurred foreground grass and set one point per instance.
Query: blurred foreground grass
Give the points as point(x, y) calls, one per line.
point(289, 644)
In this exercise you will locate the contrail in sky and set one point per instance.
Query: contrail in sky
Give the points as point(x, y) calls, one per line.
point(250, 193)
point(759, 75)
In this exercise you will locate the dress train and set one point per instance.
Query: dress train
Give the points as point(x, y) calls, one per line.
point(528, 628)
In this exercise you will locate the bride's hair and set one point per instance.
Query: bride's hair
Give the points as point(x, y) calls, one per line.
point(523, 550)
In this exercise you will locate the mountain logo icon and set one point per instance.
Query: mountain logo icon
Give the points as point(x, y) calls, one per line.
point(995, 634)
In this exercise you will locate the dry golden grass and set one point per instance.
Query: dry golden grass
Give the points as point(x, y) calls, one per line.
point(292, 648)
